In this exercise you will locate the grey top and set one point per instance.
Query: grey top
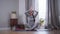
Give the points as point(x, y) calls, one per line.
point(31, 18)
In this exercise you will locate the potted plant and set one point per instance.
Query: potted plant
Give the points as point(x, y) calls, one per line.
point(41, 21)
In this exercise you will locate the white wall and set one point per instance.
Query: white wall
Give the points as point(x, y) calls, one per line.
point(6, 6)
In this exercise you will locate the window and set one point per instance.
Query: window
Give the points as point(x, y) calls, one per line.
point(42, 8)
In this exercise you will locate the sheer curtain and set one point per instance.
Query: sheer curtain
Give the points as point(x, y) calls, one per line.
point(52, 15)
point(42, 8)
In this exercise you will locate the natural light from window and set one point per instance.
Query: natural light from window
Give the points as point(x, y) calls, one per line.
point(42, 8)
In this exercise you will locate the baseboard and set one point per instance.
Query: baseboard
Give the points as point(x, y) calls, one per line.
point(5, 28)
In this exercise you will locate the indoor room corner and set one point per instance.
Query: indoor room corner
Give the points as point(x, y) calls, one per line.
point(29, 16)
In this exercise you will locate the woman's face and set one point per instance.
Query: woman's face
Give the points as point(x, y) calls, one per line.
point(31, 13)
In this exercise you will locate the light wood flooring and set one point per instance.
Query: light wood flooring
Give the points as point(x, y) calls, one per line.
point(31, 32)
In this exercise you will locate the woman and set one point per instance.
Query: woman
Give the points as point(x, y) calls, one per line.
point(30, 17)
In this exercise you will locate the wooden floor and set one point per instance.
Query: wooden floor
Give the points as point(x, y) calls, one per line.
point(31, 32)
